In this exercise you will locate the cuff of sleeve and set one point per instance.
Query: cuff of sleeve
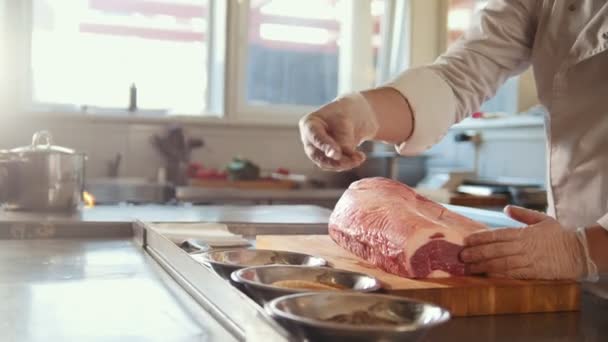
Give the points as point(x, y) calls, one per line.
point(433, 106)
point(603, 221)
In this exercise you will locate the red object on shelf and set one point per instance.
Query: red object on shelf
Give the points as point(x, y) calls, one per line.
point(198, 171)
point(193, 169)
point(477, 115)
point(282, 171)
point(210, 174)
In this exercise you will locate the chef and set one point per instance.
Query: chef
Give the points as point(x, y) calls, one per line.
point(566, 42)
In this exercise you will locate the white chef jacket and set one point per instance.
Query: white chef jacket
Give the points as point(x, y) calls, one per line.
point(566, 42)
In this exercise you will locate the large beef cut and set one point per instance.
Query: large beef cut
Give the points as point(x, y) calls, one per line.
point(391, 226)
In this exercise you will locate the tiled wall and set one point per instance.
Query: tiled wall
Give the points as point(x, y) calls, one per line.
point(270, 147)
point(515, 152)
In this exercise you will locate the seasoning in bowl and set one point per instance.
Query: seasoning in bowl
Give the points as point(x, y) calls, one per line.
point(377, 314)
point(361, 317)
point(307, 285)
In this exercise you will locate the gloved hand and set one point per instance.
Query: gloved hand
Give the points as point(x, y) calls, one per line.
point(331, 134)
point(542, 250)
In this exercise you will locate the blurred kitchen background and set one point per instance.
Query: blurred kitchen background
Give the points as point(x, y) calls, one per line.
point(197, 101)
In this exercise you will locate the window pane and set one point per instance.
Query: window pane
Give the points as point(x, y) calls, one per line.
point(89, 52)
point(294, 48)
point(377, 10)
point(293, 52)
point(460, 16)
point(3, 49)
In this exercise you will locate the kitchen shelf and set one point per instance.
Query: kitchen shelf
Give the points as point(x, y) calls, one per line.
point(512, 121)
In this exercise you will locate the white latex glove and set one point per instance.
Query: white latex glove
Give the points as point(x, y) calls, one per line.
point(542, 250)
point(332, 134)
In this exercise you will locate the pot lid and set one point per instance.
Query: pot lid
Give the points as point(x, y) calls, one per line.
point(42, 142)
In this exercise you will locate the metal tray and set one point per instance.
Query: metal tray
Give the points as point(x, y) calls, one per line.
point(116, 281)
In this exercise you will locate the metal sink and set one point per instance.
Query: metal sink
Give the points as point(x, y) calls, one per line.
point(128, 190)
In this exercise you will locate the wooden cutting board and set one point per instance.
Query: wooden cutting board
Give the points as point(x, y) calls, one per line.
point(275, 184)
point(463, 296)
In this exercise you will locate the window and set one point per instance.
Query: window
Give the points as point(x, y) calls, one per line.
point(293, 52)
point(302, 54)
point(3, 56)
point(461, 13)
point(295, 46)
point(248, 60)
point(98, 49)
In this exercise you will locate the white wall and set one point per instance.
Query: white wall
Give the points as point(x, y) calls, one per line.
point(270, 147)
point(505, 152)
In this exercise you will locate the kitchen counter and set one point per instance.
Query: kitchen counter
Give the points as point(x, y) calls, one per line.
point(249, 214)
point(247, 220)
point(201, 195)
point(102, 289)
point(254, 214)
point(589, 324)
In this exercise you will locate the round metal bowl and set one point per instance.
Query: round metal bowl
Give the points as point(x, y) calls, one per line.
point(259, 281)
point(224, 262)
point(307, 315)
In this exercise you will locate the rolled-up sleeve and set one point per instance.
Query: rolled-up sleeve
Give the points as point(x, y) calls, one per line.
point(497, 47)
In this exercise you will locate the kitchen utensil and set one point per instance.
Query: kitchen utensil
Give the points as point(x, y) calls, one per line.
point(194, 246)
point(328, 316)
point(41, 176)
point(409, 170)
point(463, 296)
point(176, 150)
point(213, 234)
point(259, 281)
point(529, 193)
point(483, 190)
point(224, 262)
point(529, 197)
point(114, 165)
point(240, 169)
point(442, 178)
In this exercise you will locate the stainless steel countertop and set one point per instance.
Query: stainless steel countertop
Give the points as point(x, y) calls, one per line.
point(252, 214)
point(200, 194)
point(94, 290)
point(51, 296)
point(247, 214)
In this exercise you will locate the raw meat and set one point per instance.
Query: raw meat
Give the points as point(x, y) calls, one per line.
point(391, 226)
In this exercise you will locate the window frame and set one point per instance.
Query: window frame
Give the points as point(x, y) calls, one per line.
point(16, 65)
point(226, 90)
point(357, 53)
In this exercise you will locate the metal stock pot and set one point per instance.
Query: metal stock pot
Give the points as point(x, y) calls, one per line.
point(41, 176)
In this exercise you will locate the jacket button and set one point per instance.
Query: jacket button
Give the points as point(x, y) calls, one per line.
point(572, 7)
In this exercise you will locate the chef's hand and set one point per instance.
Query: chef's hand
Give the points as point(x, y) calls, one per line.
point(541, 250)
point(331, 134)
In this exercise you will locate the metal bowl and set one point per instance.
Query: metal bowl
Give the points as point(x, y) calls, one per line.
point(258, 281)
point(306, 315)
point(224, 262)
